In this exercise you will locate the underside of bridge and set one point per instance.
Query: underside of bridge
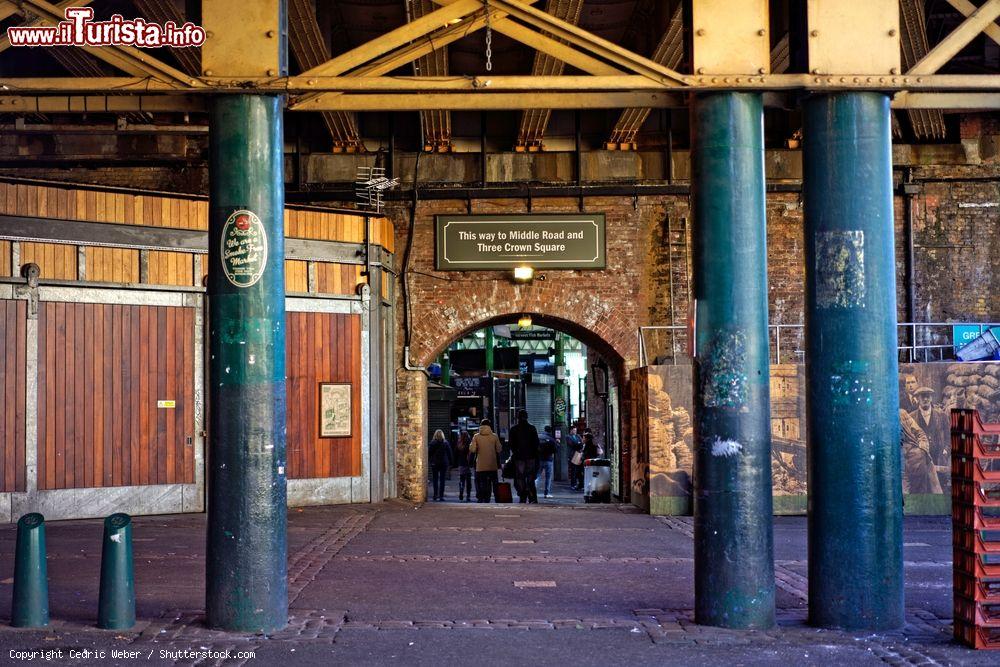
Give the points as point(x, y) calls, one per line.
point(268, 219)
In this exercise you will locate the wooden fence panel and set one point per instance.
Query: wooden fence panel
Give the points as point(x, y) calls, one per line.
point(102, 370)
point(13, 334)
point(322, 347)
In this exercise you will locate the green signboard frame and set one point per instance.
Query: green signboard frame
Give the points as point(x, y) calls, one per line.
point(498, 242)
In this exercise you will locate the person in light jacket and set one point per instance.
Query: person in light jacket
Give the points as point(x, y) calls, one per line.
point(486, 448)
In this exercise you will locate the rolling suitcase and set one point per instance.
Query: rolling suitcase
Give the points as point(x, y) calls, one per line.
point(504, 494)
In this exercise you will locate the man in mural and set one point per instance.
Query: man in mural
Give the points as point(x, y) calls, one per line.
point(936, 424)
point(920, 475)
point(908, 399)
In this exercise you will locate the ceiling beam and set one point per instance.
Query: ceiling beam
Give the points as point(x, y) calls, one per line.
point(947, 101)
point(435, 125)
point(535, 121)
point(8, 9)
point(128, 59)
point(162, 11)
point(496, 101)
point(112, 104)
point(588, 41)
point(394, 39)
point(310, 50)
point(958, 39)
point(669, 52)
point(967, 9)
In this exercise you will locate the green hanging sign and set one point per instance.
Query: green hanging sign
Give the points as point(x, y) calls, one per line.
point(244, 248)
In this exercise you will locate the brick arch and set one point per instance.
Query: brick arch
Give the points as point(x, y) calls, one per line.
point(606, 324)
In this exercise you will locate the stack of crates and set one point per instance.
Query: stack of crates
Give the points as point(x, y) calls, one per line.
point(975, 495)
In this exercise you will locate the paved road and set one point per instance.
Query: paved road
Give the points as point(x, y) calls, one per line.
point(469, 584)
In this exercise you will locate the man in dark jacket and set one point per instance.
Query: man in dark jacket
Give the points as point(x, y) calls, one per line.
point(524, 451)
point(546, 454)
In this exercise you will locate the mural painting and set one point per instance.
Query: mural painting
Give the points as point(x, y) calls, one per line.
point(928, 392)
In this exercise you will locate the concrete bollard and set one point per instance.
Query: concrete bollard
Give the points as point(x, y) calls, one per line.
point(116, 605)
point(30, 607)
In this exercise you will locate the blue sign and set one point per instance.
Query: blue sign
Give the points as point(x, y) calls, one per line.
point(963, 334)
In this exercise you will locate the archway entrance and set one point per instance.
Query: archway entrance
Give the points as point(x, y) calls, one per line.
point(567, 381)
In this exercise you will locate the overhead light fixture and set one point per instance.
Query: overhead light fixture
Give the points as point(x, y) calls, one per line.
point(523, 274)
point(524, 321)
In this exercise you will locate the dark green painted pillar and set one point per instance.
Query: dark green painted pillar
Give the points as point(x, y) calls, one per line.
point(734, 565)
point(30, 602)
point(488, 347)
point(560, 408)
point(116, 600)
point(246, 586)
point(446, 369)
point(855, 488)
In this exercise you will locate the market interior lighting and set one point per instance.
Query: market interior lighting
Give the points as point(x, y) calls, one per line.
point(524, 321)
point(523, 274)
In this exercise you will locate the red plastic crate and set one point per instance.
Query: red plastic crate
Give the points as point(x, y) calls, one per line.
point(983, 494)
point(969, 468)
point(976, 637)
point(975, 445)
point(976, 540)
point(969, 515)
point(964, 420)
point(980, 590)
point(976, 565)
point(980, 614)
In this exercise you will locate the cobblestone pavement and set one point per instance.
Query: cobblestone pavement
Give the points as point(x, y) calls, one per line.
point(449, 583)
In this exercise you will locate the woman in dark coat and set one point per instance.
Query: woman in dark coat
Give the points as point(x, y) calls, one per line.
point(439, 457)
point(590, 448)
point(464, 466)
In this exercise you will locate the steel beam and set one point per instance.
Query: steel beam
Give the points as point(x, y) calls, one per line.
point(246, 563)
point(734, 566)
point(852, 399)
point(957, 40)
point(394, 39)
point(967, 9)
point(487, 101)
point(125, 58)
point(587, 41)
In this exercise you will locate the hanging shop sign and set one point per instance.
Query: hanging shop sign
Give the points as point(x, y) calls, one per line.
point(492, 242)
point(533, 334)
point(468, 386)
point(244, 248)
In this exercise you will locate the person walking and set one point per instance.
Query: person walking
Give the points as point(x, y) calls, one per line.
point(464, 459)
point(486, 448)
point(439, 457)
point(574, 446)
point(524, 447)
point(546, 457)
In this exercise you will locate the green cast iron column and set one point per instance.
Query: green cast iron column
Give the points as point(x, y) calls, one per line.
point(734, 564)
point(446, 369)
point(560, 398)
point(855, 487)
point(488, 347)
point(246, 583)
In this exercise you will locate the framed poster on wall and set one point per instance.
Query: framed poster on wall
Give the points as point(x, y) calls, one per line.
point(335, 409)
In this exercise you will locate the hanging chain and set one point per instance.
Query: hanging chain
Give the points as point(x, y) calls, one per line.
point(489, 38)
